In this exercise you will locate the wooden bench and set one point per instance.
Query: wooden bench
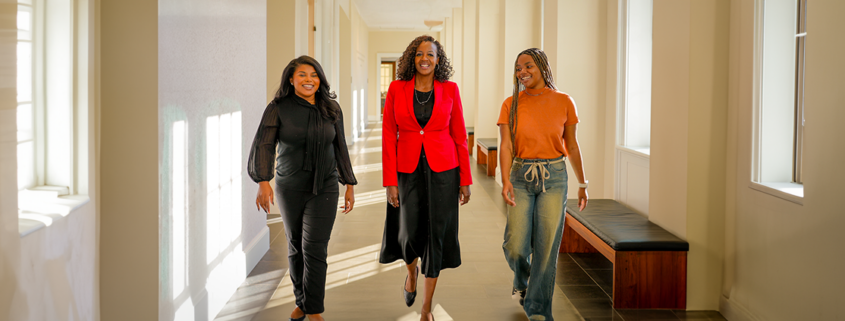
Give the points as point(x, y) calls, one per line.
point(487, 154)
point(649, 263)
point(471, 139)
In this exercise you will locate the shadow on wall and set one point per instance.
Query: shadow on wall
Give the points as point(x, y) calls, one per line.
point(9, 282)
point(64, 301)
point(201, 248)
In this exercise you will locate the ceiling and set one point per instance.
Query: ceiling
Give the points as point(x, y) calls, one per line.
point(405, 14)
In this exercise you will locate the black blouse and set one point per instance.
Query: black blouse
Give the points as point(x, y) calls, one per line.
point(308, 150)
point(423, 111)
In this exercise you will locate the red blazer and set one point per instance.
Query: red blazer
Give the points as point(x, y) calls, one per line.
point(444, 137)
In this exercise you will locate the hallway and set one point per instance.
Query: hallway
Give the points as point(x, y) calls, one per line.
point(359, 288)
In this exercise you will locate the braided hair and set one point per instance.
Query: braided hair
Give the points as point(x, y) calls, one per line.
point(542, 62)
point(407, 69)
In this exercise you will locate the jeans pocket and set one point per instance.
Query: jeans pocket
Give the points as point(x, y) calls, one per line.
point(515, 171)
point(558, 167)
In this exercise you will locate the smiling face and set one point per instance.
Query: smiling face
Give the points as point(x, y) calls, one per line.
point(305, 82)
point(425, 58)
point(528, 73)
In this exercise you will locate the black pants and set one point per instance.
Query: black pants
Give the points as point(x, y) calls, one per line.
point(308, 221)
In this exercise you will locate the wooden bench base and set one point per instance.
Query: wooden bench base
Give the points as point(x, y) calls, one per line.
point(641, 280)
point(488, 158)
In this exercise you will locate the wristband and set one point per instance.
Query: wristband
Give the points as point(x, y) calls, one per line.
point(584, 185)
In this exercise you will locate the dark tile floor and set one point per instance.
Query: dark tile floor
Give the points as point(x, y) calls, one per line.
point(478, 290)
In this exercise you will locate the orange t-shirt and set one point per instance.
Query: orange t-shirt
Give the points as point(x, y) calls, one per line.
point(540, 122)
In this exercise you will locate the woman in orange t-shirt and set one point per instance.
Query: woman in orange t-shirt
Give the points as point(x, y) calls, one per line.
point(538, 134)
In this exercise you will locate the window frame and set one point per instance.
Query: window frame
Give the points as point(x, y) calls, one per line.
point(62, 155)
point(773, 170)
point(33, 128)
point(800, 61)
point(624, 105)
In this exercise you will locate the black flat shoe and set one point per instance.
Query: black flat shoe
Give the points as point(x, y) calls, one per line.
point(410, 296)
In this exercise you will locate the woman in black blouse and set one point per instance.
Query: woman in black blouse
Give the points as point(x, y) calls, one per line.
point(302, 131)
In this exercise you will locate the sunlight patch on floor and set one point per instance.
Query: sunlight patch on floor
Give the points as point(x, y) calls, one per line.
point(368, 168)
point(438, 313)
point(343, 269)
point(366, 150)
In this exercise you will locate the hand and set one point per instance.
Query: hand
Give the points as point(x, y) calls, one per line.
point(507, 194)
point(265, 197)
point(348, 199)
point(582, 198)
point(393, 196)
point(465, 193)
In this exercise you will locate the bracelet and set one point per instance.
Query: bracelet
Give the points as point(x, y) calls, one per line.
point(584, 185)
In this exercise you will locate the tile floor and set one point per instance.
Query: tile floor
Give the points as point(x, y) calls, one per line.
point(359, 288)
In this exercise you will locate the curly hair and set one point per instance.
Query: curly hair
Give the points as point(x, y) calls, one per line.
point(407, 68)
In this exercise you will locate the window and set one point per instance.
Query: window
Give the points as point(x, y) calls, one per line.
point(54, 87)
point(780, 39)
point(633, 141)
point(25, 109)
point(635, 66)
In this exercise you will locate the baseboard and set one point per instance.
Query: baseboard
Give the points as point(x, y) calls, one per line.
point(733, 311)
point(256, 249)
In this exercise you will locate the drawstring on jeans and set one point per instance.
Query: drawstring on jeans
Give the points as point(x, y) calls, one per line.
point(532, 173)
point(541, 177)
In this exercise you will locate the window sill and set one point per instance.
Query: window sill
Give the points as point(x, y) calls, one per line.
point(37, 213)
point(788, 191)
point(640, 151)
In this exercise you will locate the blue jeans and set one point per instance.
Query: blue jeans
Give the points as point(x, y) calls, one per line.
point(534, 228)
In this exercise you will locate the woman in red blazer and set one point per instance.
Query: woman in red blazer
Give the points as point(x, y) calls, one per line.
point(426, 167)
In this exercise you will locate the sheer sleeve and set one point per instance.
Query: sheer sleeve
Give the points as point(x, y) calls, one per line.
point(263, 152)
point(341, 153)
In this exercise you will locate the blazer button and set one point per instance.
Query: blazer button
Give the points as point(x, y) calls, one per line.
point(421, 132)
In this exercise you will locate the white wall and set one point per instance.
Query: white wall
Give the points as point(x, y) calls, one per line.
point(284, 34)
point(469, 80)
point(576, 41)
point(782, 255)
point(488, 68)
point(213, 84)
point(128, 139)
point(344, 83)
point(688, 133)
point(360, 66)
point(457, 56)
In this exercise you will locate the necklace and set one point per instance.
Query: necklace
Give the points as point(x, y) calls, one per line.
point(529, 94)
point(430, 93)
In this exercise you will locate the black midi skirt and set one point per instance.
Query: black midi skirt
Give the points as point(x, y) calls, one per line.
point(425, 225)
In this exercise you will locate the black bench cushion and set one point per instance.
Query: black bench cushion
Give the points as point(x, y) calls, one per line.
point(470, 130)
point(488, 143)
point(624, 229)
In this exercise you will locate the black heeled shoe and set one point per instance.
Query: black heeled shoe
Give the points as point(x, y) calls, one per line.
point(411, 296)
